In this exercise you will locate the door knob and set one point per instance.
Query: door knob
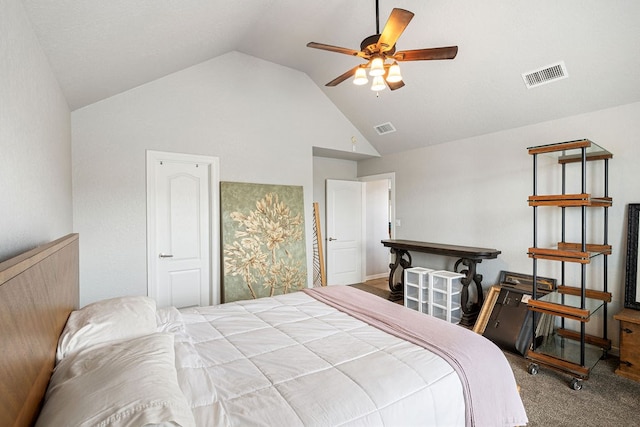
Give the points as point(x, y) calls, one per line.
point(165, 255)
point(331, 239)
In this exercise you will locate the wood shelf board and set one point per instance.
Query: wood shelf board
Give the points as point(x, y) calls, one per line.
point(559, 255)
point(569, 200)
point(591, 247)
point(559, 258)
point(589, 339)
point(589, 293)
point(575, 158)
point(560, 146)
point(565, 315)
point(593, 151)
point(554, 309)
point(561, 364)
point(570, 252)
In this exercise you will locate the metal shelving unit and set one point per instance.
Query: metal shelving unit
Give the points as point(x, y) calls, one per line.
point(571, 351)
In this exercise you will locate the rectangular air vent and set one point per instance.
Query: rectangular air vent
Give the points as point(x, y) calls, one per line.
point(384, 128)
point(545, 75)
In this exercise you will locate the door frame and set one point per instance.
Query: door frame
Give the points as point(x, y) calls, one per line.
point(391, 176)
point(214, 217)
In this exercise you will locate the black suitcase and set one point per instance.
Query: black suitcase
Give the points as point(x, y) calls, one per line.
point(509, 325)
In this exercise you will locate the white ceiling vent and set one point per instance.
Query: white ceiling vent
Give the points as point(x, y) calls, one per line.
point(548, 74)
point(384, 128)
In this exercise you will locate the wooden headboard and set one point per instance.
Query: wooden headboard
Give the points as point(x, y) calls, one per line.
point(38, 290)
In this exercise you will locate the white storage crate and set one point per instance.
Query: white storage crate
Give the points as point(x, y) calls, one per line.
point(444, 300)
point(450, 315)
point(416, 283)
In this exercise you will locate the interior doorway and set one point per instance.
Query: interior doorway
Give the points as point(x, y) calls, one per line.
point(325, 168)
point(379, 220)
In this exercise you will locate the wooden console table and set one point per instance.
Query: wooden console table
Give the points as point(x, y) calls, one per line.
point(468, 257)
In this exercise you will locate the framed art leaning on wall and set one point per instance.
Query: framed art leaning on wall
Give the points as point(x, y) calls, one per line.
point(263, 243)
point(632, 287)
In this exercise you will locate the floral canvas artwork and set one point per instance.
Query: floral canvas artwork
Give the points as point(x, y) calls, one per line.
point(264, 251)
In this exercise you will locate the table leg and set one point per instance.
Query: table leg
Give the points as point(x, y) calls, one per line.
point(470, 309)
point(402, 258)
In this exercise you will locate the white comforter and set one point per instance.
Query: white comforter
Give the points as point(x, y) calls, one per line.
point(292, 360)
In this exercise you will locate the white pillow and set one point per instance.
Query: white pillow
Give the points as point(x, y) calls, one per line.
point(127, 383)
point(108, 320)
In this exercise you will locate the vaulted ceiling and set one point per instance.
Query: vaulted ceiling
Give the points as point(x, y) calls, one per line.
point(100, 48)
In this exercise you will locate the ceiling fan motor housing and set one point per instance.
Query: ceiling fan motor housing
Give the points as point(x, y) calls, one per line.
point(369, 46)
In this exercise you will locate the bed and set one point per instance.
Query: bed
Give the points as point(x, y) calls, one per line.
point(329, 356)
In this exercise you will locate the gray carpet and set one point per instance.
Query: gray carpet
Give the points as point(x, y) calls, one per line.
point(606, 399)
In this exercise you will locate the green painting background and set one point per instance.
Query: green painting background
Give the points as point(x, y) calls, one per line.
point(242, 197)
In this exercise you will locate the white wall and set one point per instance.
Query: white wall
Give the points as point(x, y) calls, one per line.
point(259, 118)
point(35, 141)
point(474, 192)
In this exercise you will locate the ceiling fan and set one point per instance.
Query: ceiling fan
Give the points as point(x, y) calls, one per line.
point(381, 47)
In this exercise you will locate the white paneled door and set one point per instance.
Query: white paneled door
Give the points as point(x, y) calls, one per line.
point(344, 232)
point(179, 215)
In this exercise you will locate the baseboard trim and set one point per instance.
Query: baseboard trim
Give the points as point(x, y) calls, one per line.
point(377, 276)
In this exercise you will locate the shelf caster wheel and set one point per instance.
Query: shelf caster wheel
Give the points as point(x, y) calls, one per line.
point(533, 368)
point(576, 384)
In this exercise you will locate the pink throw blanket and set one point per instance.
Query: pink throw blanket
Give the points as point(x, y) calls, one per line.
point(488, 383)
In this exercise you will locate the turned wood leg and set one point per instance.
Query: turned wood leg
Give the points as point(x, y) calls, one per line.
point(402, 259)
point(470, 309)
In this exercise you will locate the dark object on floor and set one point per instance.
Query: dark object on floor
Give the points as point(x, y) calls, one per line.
point(373, 290)
point(509, 325)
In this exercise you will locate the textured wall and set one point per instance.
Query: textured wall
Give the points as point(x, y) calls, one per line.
point(474, 192)
point(35, 141)
point(262, 130)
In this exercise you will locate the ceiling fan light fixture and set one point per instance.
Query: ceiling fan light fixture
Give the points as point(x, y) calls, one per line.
point(377, 67)
point(394, 75)
point(361, 77)
point(378, 84)
point(376, 49)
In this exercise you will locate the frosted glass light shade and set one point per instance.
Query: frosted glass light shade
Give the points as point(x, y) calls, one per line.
point(394, 75)
point(378, 83)
point(361, 77)
point(377, 67)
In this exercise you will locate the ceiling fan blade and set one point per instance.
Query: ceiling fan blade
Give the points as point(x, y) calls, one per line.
point(396, 85)
point(395, 26)
point(343, 77)
point(449, 52)
point(337, 49)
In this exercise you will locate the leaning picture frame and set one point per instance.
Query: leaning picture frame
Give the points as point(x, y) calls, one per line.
point(511, 280)
point(525, 281)
point(631, 285)
point(487, 309)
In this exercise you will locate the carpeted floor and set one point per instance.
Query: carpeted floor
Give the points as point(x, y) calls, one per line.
point(606, 399)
